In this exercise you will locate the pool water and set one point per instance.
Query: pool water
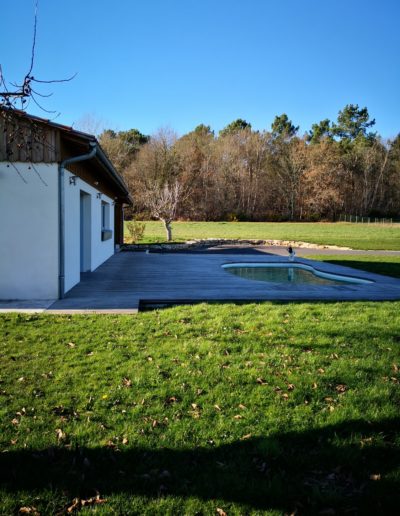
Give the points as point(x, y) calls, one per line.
point(288, 273)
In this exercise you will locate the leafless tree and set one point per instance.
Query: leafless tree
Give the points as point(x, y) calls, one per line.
point(155, 178)
point(163, 201)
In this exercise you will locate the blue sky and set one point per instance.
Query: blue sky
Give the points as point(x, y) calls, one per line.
point(178, 63)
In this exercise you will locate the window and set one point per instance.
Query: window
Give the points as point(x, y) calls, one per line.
point(106, 232)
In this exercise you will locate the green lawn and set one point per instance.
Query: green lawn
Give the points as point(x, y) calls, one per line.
point(246, 409)
point(355, 236)
point(387, 265)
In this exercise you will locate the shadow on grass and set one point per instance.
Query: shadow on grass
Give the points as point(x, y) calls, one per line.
point(350, 467)
point(385, 268)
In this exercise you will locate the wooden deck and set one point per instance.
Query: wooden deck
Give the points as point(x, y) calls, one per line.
point(129, 279)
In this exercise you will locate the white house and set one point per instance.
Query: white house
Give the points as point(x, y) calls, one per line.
point(61, 207)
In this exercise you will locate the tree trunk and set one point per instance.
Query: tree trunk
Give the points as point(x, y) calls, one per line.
point(168, 229)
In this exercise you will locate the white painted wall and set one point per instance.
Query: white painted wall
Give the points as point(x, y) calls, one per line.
point(100, 250)
point(29, 263)
point(28, 231)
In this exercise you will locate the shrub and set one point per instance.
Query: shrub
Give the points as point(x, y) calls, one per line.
point(135, 229)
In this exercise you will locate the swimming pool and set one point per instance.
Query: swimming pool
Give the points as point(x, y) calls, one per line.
point(289, 273)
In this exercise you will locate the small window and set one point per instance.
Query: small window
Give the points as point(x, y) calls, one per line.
point(106, 232)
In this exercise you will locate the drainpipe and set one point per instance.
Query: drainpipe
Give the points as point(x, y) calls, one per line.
point(61, 214)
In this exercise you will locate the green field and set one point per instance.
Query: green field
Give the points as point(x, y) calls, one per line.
point(387, 265)
point(208, 409)
point(355, 236)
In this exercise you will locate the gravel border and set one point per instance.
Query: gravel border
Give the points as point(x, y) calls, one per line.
point(213, 242)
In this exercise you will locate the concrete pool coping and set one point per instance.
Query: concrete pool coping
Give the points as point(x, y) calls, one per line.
point(129, 281)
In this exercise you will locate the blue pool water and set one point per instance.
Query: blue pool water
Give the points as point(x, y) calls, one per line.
point(294, 273)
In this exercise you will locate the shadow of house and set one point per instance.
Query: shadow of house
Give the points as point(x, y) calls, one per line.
point(349, 467)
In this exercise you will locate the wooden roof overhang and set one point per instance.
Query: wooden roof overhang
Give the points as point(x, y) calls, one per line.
point(97, 171)
point(27, 138)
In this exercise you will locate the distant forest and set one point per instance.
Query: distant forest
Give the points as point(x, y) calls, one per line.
point(272, 175)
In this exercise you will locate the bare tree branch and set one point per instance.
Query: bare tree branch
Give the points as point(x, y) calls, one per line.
point(24, 92)
point(55, 80)
point(34, 40)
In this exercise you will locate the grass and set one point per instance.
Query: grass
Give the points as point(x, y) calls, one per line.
point(247, 409)
point(355, 236)
point(387, 265)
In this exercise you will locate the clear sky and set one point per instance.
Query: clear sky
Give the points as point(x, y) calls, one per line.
point(178, 63)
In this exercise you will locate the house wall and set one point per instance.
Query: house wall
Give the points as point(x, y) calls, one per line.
point(28, 231)
point(99, 250)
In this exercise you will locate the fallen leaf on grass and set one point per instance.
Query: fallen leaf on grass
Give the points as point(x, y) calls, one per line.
point(366, 440)
point(111, 444)
point(170, 400)
point(125, 440)
point(71, 345)
point(242, 407)
point(78, 503)
point(261, 381)
point(238, 416)
point(321, 370)
point(126, 382)
point(60, 434)
point(15, 421)
point(395, 368)
point(341, 387)
point(196, 411)
point(375, 476)
point(217, 407)
point(245, 437)
point(221, 512)
point(29, 510)
point(290, 387)
point(314, 385)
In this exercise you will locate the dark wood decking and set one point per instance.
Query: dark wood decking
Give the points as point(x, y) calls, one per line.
point(128, 278)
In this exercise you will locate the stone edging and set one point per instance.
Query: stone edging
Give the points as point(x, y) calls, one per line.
point(213, 242)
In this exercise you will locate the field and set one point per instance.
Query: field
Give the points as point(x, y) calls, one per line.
point(355, 236)
point(246, 409)
point(387, 265)
point(263, 408)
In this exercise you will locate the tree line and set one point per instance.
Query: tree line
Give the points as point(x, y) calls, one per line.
point(242, 174)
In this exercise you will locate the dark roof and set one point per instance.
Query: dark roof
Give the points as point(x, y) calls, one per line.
point(79, 142)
